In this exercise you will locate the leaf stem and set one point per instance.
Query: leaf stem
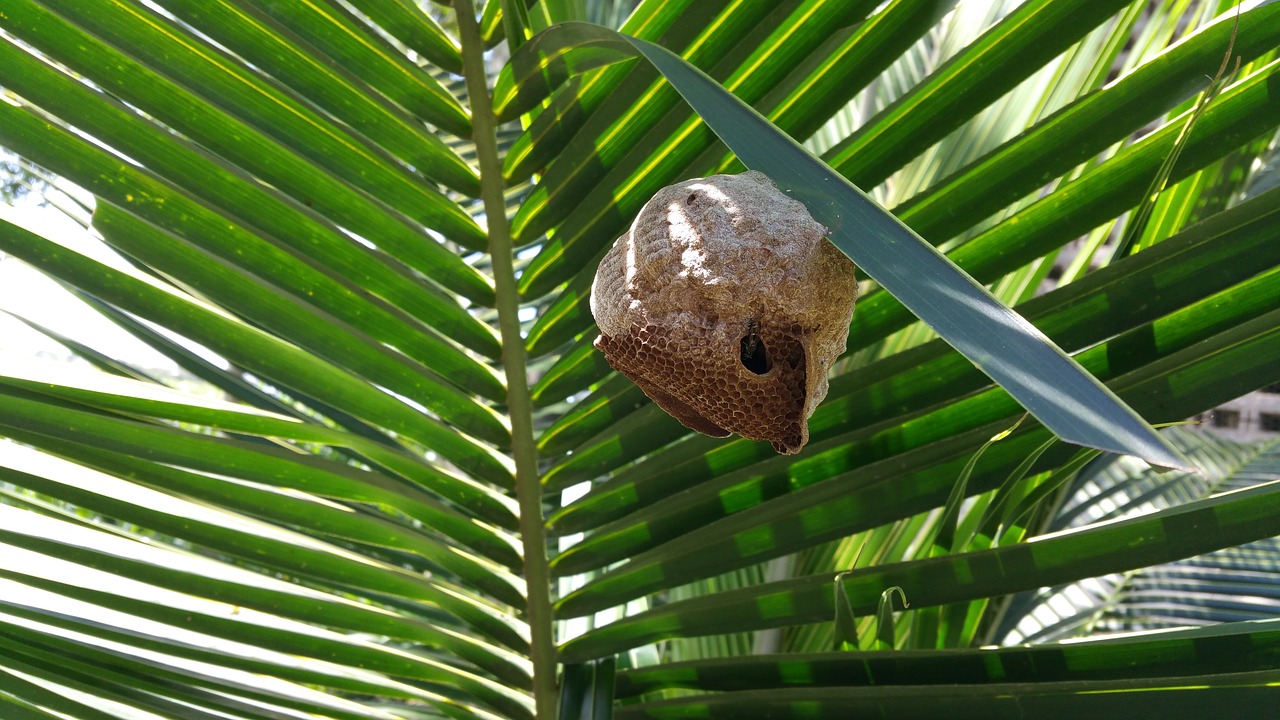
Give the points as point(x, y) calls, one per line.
point(520, 406)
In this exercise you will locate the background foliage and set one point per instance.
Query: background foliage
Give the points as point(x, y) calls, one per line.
point(371, 271)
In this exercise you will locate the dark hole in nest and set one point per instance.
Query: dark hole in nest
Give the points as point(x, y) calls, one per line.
point(753, 354)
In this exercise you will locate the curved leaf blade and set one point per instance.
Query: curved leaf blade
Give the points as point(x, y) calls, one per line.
point(1070, 402)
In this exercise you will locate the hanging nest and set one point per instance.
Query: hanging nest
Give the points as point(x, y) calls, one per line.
point(727, 306)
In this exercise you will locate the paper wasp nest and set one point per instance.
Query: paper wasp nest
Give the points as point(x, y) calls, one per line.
point(726, 305)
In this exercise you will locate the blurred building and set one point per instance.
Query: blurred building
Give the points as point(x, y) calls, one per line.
point(1255, 416)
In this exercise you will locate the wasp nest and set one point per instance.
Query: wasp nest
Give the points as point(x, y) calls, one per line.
point(727, 306)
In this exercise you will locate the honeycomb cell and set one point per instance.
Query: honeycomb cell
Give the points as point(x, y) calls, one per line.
point(727, 306)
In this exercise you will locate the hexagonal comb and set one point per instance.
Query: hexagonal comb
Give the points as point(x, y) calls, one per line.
point(727, 306)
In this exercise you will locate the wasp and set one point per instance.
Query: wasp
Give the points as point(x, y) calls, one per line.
point(752, 352)
point(751, 340)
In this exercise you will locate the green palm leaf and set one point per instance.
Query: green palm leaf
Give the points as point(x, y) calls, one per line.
point(1218, 587)
point(389, 477)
